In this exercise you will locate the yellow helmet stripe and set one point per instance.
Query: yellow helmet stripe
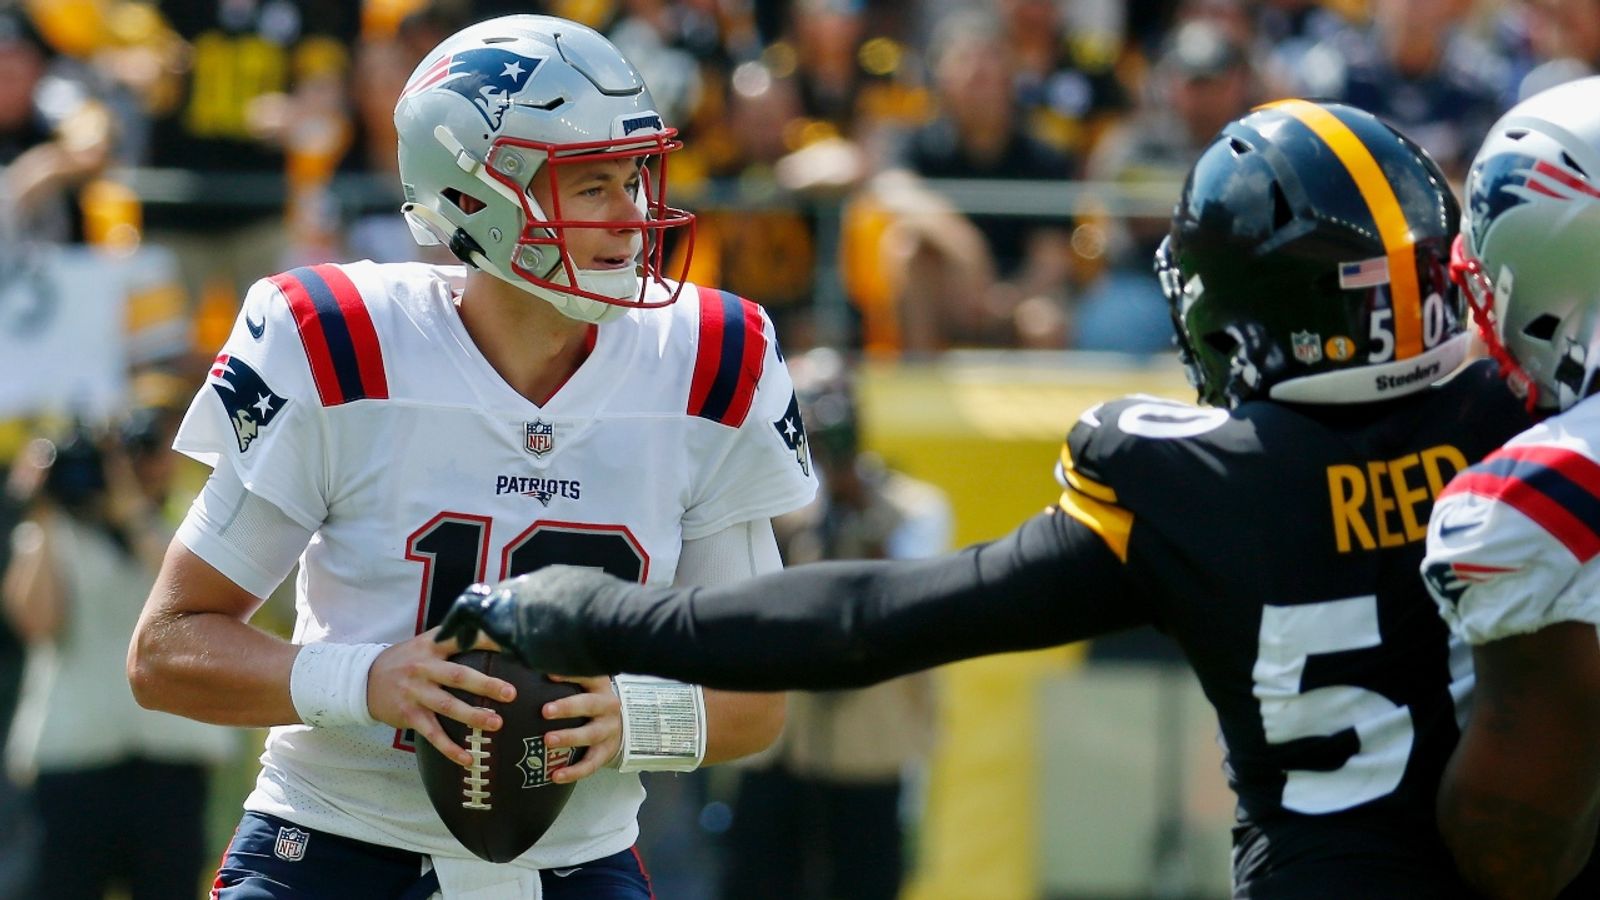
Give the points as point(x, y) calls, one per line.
point(1399, 244)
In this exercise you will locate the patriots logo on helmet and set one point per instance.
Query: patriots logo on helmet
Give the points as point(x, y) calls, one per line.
point(1449, 580)
point(1507, 180)
point(250, 403)
point(487, 76)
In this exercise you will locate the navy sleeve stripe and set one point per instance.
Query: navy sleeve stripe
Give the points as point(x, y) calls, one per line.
point(340, 342)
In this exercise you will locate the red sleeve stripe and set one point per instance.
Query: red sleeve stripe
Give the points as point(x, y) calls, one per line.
point(710, 345)
point(1559, 490)
point(729, 360)
point(336, 330)
point(363, 334)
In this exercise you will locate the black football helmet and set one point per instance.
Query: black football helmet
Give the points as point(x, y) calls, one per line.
point(1308, 261)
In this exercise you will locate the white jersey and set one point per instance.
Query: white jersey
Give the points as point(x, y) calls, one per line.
point(1512, 540)
point(352, 398)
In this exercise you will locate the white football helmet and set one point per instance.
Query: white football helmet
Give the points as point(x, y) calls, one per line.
point(510, 99)
point(1528, 257)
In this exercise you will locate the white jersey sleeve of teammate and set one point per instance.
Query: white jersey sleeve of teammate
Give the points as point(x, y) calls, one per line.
point(1512, 541)
point(764, 470)
point(259, 412)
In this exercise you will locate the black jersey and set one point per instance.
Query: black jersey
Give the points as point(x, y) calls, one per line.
point(1279, 545)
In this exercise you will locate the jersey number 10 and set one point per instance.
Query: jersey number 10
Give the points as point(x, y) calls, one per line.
point(453, 549)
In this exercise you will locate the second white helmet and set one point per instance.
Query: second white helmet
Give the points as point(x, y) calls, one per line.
point(1529, 252)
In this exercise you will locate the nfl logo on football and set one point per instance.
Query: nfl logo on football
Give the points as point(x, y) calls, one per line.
point(541, 438)
point(291, 844)
point(539, 762)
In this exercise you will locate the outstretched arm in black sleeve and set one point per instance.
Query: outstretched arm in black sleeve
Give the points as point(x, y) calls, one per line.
point(816, 627)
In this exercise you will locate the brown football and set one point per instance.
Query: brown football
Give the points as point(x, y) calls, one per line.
point(505, 801)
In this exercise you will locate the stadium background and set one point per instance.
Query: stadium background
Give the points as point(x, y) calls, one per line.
point(985, 256)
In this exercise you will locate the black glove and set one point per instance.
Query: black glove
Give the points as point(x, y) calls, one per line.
point(538, 619)
point(465, 616)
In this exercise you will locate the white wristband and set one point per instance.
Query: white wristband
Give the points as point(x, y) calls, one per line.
point(663, 724)
point(328, 683)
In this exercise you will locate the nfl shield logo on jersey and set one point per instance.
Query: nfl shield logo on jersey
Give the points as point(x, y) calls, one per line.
point(1307, 346)
point(541, 438)
point(291, 844)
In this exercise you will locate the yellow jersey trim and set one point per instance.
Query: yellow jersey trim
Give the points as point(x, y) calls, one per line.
point(1079, 482)
point(1112, 523)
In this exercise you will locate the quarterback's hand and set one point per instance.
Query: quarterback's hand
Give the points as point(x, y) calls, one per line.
point(537, 618)
point(406, 689)
point(602, 734)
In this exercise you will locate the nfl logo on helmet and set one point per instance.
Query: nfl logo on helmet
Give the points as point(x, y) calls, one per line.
point(1307, 346)
point(541, 437)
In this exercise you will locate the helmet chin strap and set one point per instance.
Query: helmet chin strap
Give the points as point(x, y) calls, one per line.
point(572, 306)
point(585, 309)
point(430, 228)
point(621, 284)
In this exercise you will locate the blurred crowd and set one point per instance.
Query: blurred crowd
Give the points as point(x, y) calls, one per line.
point(895, 178)
point(243, 136)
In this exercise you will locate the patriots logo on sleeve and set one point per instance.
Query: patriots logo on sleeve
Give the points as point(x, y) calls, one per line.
point(250, 403)
point(487, 76)
point(792, 429)
point(1449, 580)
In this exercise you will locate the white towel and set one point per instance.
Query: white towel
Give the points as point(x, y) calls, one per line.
point(474, 879)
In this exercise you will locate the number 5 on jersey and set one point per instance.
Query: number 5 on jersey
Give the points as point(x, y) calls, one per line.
point(1289, 636)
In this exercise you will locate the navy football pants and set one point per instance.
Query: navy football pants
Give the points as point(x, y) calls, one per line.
point(271, 859)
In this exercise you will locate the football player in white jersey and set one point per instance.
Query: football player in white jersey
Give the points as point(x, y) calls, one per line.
point(406, 430)
point(1513, 540)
